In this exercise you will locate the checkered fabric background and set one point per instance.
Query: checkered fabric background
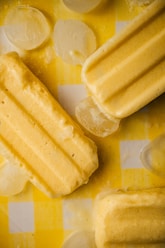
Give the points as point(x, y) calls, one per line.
point(31, 219)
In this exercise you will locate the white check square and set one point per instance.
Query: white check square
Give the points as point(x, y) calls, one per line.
point(77, 214)
point(130, 153)
point(21, 217)
point(70, 95)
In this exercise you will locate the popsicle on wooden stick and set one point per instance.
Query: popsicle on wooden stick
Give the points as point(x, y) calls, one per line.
point(130, 219)
point(47, 144)
point(126, 73)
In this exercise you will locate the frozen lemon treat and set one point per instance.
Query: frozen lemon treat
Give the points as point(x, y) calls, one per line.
point(49, 145)
point(126, 73)
point(125, 218)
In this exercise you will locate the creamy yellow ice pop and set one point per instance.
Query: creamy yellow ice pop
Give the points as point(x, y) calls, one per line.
point(49, 145)
point(130, 219)
point(126, 73)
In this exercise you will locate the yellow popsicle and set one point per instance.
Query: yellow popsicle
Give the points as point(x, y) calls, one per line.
point(49, 145)
point(130, 219)
point(126, 73)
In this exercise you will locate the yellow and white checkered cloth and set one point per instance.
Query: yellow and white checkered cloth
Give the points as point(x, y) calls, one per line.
point(31, 219)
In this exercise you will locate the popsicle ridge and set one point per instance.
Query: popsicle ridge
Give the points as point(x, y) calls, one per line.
point(24, 136)
point(146, 19)
point(43, 134)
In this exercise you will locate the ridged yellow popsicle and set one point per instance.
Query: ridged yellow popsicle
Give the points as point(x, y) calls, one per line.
point(126, 73)
point(34, 128)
